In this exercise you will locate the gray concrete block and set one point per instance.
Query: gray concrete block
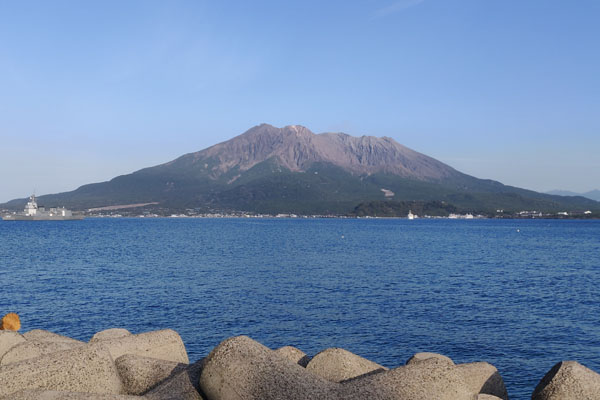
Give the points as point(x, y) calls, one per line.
point(113, 333)
point(183, 385)
point(417, 357)
point(41, 335)
point(164, 344)
point(483, 378)
point(293, 354)
point(568, 380)
point(241, 368)
point(426, 380)
point(140, 374)
point(338, 365)
point(34, 348)
point(56, 395)
point(9, 339)
point(87, 369)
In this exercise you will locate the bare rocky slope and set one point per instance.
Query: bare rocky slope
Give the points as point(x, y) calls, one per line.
point(296, 148)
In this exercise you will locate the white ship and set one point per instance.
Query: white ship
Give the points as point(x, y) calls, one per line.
point(33, 212)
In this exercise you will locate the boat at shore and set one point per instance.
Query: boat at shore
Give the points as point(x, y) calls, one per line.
point(33, 212)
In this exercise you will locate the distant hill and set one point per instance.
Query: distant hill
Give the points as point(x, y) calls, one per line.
point(592, 194)
point(402, 208)
point(291, 169)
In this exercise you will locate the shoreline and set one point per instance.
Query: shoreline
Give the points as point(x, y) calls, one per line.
point(284, 217)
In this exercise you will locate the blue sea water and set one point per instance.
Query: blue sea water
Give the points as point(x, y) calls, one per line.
point(520, 294)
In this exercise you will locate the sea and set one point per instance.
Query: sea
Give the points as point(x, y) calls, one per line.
point(519, 294)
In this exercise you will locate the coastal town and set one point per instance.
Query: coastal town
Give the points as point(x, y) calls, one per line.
point(154, 212)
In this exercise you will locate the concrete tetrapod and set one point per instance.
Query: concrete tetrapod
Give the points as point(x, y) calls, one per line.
point(40, 335)
point(183, 385)
point(294, 354)
point(165, 344)
point(568, 380)
point(56, 395)
point(34, 348)
point(242, 369)
point(8, 340)
point(426, 380)
point(418, 357)
point(336, 365)
point(113, 333)
point(87, 369)
point(140, 374)
point(483, 377)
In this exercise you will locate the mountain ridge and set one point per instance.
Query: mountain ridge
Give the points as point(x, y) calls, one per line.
point(291, 169)
point(296, 148)
point(591, 194)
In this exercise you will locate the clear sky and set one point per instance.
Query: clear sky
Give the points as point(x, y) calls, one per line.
point(500, 89)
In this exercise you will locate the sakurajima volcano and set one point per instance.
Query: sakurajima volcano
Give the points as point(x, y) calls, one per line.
point(291, 169)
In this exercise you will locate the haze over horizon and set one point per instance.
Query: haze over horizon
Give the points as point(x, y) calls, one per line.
point(500, 90)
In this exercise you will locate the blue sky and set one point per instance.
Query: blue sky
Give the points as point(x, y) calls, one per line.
point(500, 89)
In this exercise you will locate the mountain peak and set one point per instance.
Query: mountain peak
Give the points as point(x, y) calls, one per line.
point(296, 148)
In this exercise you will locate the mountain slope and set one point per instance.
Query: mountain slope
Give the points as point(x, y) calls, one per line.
point(592, 194)
point(291, 169)
point(296, 149)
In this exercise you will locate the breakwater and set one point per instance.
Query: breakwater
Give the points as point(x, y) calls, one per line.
point(116, 364)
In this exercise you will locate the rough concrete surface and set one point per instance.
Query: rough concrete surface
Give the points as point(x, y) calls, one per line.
point(294, 354)
point(117, 365)
point(483, 377)
point(568, 380)
point(165, 344)
point(426, 380)
point(87, 369)
point(140, 374)
point(183, 385)
point(338, 365)
point(41, 335)
point(241, 368)
point(113, 333)
point(417, 357)
point(56, 395)
point(9, 339)
point(34, 348)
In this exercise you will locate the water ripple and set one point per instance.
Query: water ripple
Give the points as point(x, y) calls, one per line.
point(384, 289)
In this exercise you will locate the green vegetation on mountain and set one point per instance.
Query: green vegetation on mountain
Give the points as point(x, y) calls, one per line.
point(292, 170)
point(402, 208)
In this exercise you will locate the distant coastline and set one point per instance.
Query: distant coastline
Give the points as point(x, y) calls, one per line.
point(242, 215)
